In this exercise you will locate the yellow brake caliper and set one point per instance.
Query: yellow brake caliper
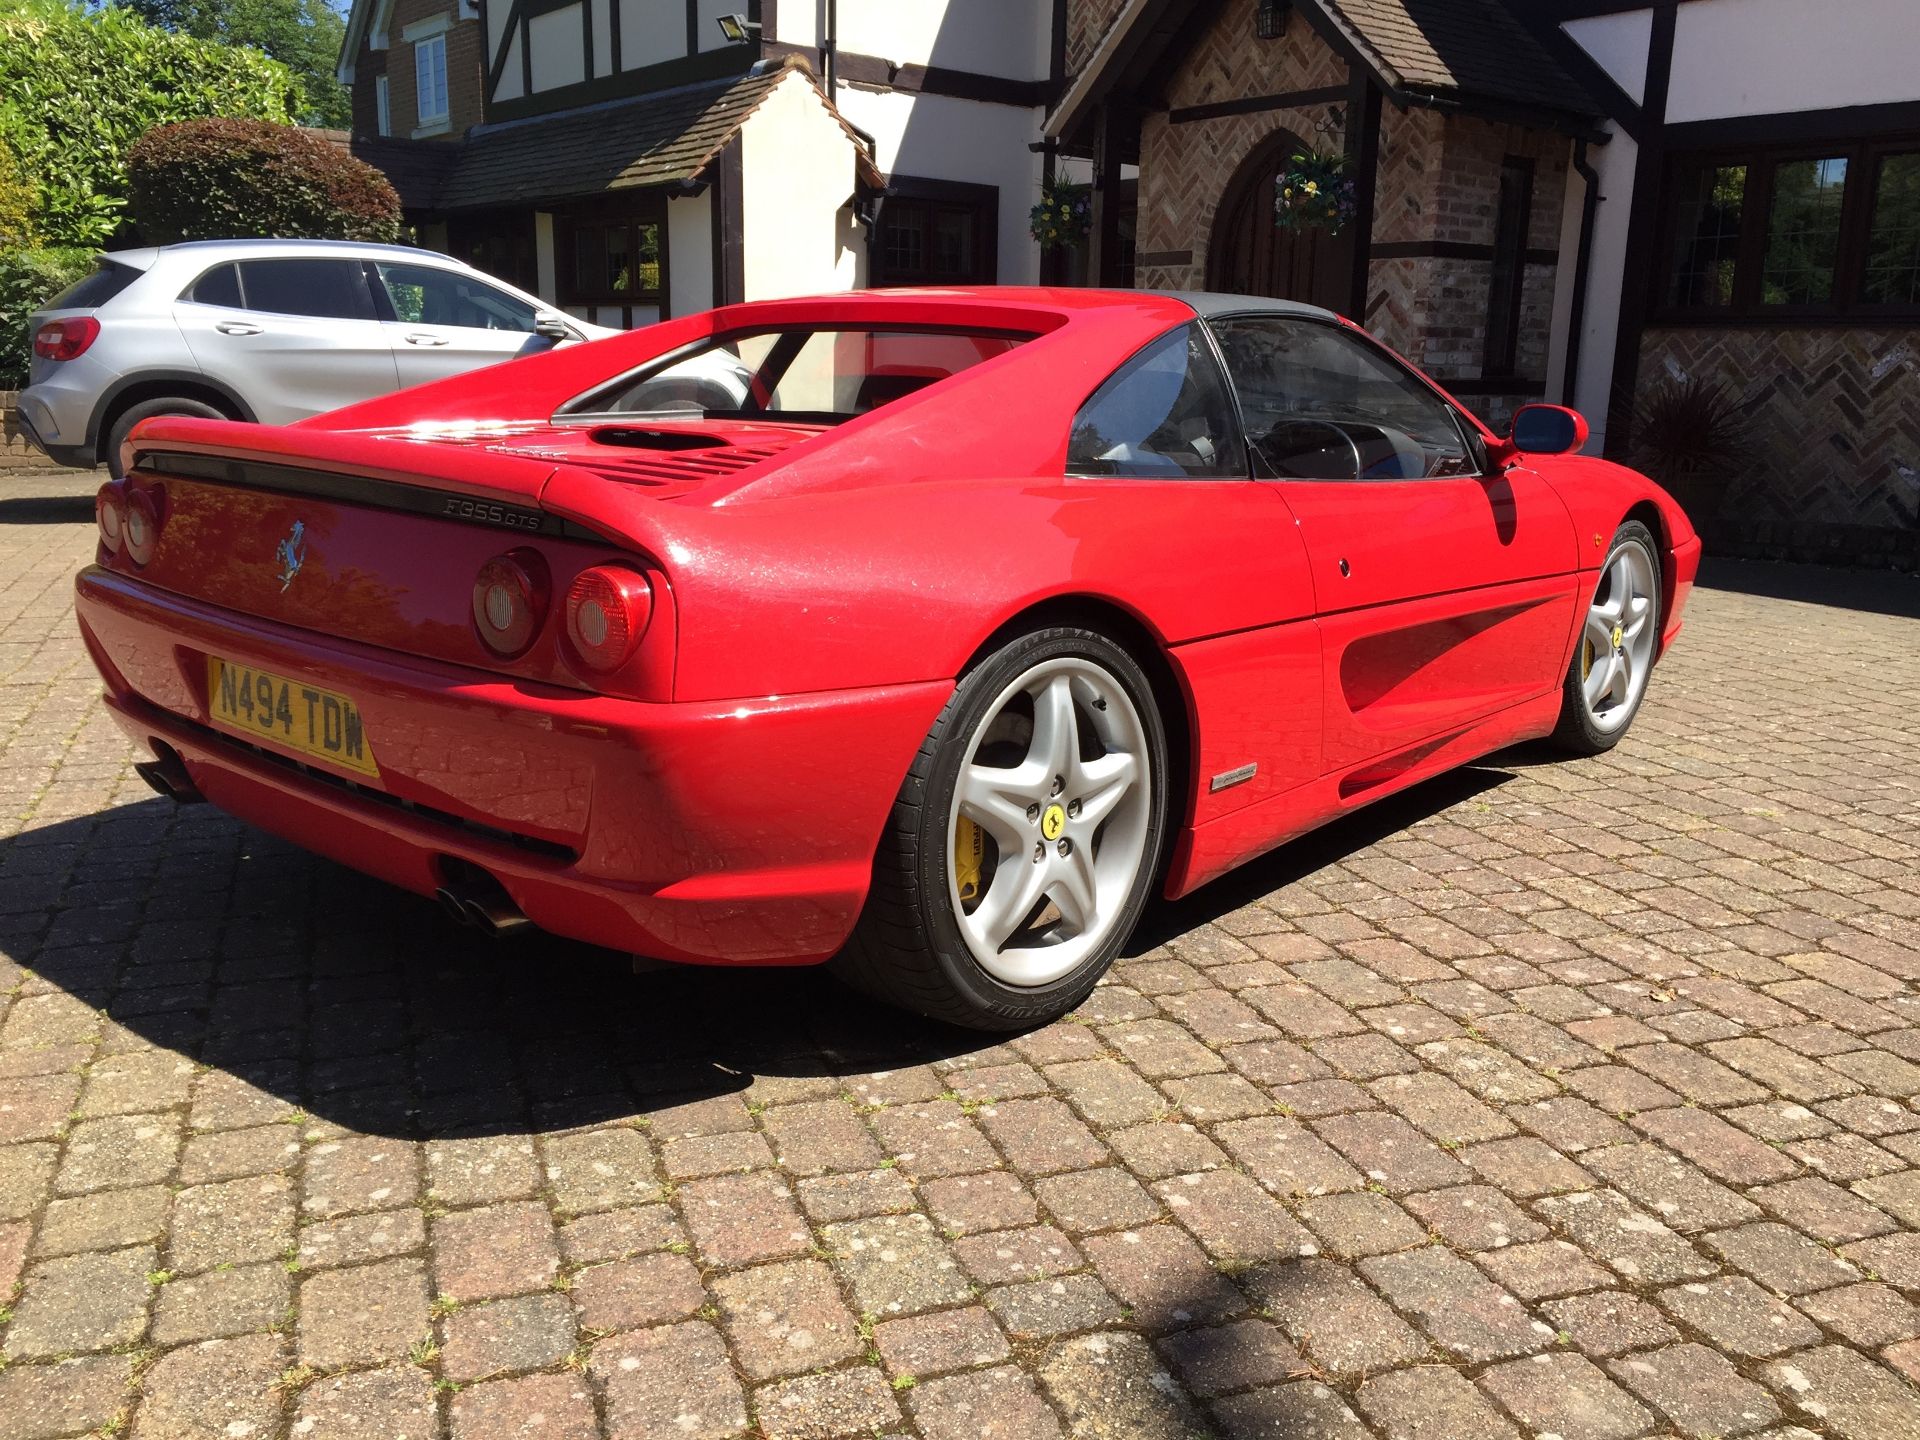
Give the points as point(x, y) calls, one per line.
point(969, 849)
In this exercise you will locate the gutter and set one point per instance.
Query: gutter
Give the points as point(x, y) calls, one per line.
point(1583, 263)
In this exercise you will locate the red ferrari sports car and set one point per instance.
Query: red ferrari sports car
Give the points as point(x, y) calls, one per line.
point(927, 632)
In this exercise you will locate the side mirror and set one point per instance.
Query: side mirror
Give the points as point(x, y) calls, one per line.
point(554, 328)
point(1547, 430)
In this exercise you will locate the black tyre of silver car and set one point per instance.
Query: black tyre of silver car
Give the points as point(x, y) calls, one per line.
point(164, 405)
point(1024, 841)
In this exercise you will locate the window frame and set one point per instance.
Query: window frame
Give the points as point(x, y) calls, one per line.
point(567, 225)
point(1245, 473)
point(980, 203)
point(423, 47)
point(1848, 306)
point(382, 106)
point(1473, 440)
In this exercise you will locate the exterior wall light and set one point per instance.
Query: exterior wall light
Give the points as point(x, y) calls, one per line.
point(1272, 21)
point(737, 29)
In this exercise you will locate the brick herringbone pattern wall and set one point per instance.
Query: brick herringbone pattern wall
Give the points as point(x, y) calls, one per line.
point(1087, 23)
point(1185, 168)
point(1837, 430)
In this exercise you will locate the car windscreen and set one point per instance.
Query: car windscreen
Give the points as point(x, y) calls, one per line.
point(815, 375)
point(108, 279)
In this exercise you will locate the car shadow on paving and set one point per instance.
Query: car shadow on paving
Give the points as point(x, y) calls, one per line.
point(365, 1007)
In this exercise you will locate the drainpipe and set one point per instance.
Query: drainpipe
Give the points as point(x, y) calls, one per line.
point(1583, 262)
point(829, 51)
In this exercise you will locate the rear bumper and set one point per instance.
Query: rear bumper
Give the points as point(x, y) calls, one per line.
point(36, 424)
point(734, 833)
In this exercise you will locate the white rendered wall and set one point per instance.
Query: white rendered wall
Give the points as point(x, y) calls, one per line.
point(1619, 46)
point(546, 272)
point(938, 138)
point(797, 175)
point(1615, 163)
point(991, 37)
point(558, 57)
point(690, 253)
point(651, 31)
point(1760, 57)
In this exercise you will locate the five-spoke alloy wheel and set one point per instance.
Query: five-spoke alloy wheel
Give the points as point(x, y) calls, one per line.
point(1025, 840)
point(1618, 643)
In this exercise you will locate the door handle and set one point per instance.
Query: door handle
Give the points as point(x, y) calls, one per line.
point(419, 339)
point(237, 327)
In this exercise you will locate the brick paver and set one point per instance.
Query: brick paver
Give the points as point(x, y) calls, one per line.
point(1570, 1099)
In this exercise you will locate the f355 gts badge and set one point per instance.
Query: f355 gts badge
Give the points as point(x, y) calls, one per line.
point(292, 554)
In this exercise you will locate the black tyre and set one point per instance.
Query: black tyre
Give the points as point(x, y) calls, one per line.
point(165, 405)
point(1618, 642)
point(1024, 841)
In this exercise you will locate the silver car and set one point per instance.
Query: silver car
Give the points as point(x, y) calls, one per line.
point(266, 330)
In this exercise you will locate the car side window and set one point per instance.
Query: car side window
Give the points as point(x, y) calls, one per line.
point(1321, 403)
point(1166, 412)
point(428, 295)
point(219, 286)
point(321, 288)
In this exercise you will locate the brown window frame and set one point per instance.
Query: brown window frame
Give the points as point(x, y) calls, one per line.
point(980, 202)
point(1857, 202)
point(632, 215)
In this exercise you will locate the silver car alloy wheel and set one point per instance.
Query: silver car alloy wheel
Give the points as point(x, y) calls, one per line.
point(1056, 781)
point(1616, 644)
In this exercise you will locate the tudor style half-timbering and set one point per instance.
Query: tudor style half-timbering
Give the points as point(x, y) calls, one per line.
point(634, 158)
point(1756, 223)
point(1458, 129)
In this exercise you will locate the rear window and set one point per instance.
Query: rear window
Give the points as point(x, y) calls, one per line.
point(810, 374)
point(107, 281)
point(219, 286)
point(327, 289)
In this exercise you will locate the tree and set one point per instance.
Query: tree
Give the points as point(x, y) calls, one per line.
point(303, 35)
point(77, 88)
point(217, 179)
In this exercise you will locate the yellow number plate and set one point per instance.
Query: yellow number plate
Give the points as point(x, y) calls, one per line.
point(290, 714)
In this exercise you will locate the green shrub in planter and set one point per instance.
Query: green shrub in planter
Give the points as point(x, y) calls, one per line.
point(247, 179)
point(28, 279)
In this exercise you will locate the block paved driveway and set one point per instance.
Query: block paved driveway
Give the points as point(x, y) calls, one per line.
point(1570, 1099)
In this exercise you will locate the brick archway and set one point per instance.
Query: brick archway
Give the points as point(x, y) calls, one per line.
point(1248, 254)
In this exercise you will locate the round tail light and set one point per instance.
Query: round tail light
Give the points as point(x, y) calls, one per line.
point(510, 601)
point(110, 511)
point(607, 613)
point(142, 526)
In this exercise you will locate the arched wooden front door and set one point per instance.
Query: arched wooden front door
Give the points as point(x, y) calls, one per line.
point(1251, 255)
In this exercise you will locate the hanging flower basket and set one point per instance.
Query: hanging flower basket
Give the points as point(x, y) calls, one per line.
point(1314, 192)
point(1064, 216)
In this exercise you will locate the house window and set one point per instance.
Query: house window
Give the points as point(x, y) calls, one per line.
point(612, 259)
point(1706, 241)
point(1793, 232)
point(934, 232)
point(1505, 286)
point(1803, 232)
point(382, 107)
point(1893, 236)
point(430, 77)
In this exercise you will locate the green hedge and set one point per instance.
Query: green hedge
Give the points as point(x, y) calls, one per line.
point(78, 87)
point(28, 279)
point(222, 179)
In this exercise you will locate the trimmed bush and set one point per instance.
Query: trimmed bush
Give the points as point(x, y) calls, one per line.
point(246, 179)
point(77, 87)
point(17, 199)
point(28, 279)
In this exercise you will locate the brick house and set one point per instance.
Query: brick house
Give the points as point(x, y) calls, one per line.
point(632, 159)
point(1460, 132)
point(1756, 224)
